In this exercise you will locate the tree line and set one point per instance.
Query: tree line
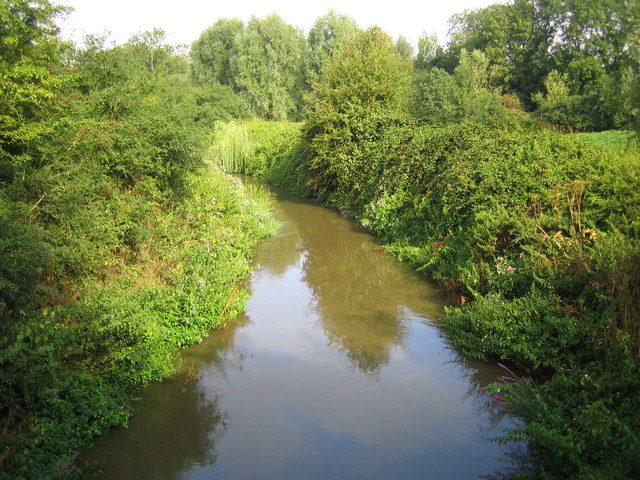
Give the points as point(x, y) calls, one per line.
point(571, 63)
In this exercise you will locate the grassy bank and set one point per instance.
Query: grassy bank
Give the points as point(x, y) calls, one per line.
point(534, 235)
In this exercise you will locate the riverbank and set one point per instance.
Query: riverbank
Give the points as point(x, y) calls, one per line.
point(337, 356)
point(81, 363)
point(533, 235)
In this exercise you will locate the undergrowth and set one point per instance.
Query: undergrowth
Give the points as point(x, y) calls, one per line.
point(535, 237)
point(69, 372)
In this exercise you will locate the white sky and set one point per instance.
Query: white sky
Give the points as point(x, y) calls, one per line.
point(185, 20)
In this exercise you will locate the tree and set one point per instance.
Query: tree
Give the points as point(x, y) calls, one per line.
point(28, 31)
point(556, 88)
point(266, 65)
point(29, 60)
point(428, 51)
point(404, 48)
point(363, 92)
point(211, 52)
point(432, 96)
point(580, 29)
point(525, 40)
point(467, 95)
point(513, 40)
point(327, 35)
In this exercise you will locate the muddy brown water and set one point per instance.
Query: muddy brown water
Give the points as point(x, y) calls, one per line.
point(337, 370)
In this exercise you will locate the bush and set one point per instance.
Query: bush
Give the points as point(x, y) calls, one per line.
point(532, 332)
point(584, 113)
point(69, 372)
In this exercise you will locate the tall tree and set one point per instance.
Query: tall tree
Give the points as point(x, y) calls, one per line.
point(512, 39)
point(211, 52)
point(404, 48)
point(329, 33)
point(363, 92)
point(525, 40)
point(428, 51)
point(266, 64)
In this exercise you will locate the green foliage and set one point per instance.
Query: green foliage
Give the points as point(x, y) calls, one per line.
point(362, 93)
point(433, 96)
point(211, 52)
point(264, 47)
point(29, 31)
point(509, 37)
point(269, 150)
point(467, 95)
point(530, 332)
point(328, 34)
point(587, 42)
point(24, 256)
point(428, 51)
point(556, 88)
point(69, 371)
point(278, 148)
point(118, 247)
point(579, 112)
point(230, 147)
point(583, 424)
point(404, 48)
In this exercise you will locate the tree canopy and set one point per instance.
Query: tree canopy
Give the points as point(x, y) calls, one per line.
point(266, 64)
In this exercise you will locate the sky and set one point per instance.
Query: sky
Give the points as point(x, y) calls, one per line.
point(184, 20)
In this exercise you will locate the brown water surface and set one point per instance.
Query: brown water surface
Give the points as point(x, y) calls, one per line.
point(335, 371)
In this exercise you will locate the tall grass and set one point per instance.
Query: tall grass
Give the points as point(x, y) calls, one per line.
point(622, 140)
point(231, 148)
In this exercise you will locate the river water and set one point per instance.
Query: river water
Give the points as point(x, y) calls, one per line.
point(337, 370)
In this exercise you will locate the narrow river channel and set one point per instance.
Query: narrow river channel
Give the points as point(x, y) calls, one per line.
point(336, 371)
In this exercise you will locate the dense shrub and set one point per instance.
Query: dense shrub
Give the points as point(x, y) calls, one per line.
point(578, 112)
point(118, 246)
point(69, 372)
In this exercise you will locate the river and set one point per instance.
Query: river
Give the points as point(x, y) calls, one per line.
point(337, 370)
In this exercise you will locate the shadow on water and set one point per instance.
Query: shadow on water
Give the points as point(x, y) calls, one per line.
point(336, 370)
point(176, 425)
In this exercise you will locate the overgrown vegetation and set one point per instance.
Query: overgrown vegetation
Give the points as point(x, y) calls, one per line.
point(118, 246)
point(533, 233)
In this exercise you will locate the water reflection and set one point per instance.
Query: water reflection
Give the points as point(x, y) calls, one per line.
point(362, 296)
point(267, 399)
point(176, 428)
